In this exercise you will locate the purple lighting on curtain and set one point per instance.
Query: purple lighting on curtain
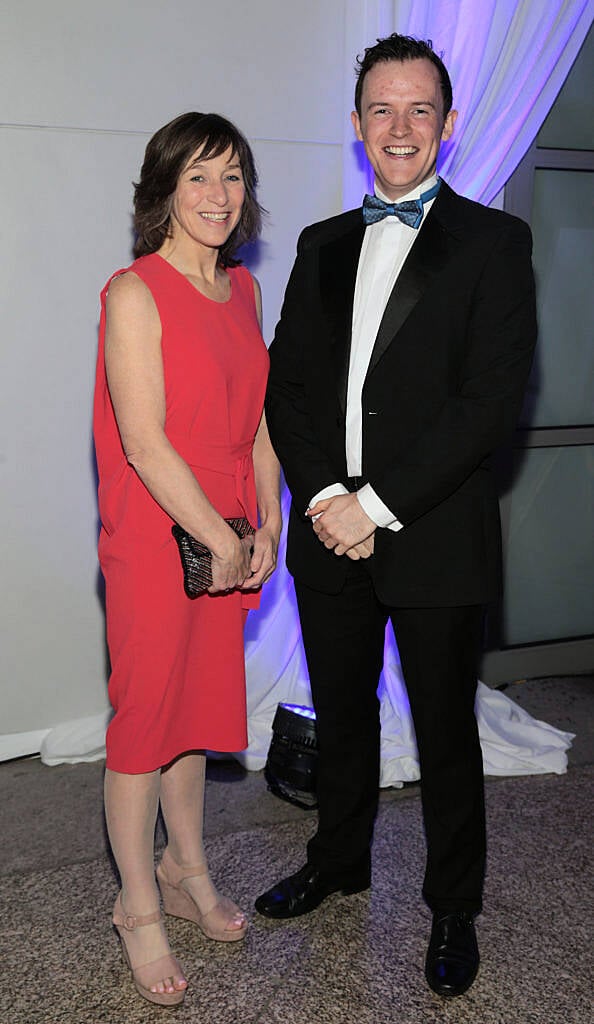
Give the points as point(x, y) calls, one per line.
point(508, 60)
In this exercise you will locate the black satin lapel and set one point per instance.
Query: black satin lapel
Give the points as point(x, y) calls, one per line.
point(338, 272)
point(425, 259)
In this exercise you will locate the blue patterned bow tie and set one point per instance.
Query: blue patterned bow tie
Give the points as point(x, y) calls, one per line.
point(409, 212)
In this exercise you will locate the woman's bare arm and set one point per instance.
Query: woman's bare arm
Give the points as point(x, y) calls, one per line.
point(134, 368)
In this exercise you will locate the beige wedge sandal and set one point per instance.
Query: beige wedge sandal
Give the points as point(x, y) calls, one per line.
point(145, 975)
point(178, 902)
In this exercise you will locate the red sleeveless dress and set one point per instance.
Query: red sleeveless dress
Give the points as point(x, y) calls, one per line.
point(177, 665)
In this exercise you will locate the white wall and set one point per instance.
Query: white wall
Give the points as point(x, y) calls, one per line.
point(83, 86)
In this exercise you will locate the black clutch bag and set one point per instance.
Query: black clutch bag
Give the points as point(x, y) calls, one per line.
point(196, 559)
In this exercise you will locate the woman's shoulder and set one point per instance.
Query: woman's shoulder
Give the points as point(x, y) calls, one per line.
point(127, 291)
point(125, 282)
point(247, 284)
point(239, 273)
point(243, 279)
point(142, 267)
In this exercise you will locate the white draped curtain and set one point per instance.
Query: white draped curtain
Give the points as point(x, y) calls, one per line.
point(508, 60)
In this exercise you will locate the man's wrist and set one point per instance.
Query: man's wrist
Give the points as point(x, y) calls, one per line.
point(375, 508)
point(328, 492)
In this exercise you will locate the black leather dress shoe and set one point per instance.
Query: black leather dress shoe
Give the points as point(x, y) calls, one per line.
point(305, 890)
point(453, 957)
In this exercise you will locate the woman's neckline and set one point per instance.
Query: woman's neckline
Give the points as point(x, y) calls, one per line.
point(217, 302)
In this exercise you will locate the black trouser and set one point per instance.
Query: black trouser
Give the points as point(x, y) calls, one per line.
point(439, 649)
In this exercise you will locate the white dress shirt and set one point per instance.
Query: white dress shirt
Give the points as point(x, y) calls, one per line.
point(385, 247)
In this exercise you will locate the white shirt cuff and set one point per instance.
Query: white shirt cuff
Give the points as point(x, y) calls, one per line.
point(376, 510)
point(327, 492)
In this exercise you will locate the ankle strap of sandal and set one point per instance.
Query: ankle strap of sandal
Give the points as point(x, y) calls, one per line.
point(179, 874)
point(132, 921)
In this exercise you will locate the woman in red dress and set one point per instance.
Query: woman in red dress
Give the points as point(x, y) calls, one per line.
point(180, 436)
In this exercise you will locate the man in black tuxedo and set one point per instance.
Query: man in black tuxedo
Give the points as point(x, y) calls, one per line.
point(398, 366)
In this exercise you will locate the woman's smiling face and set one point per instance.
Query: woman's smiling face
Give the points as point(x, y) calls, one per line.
point(208, 199)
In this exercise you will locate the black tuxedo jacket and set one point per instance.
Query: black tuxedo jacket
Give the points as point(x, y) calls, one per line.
point(443, 389)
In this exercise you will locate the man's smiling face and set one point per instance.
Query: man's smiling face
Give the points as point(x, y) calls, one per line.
point(402, 124)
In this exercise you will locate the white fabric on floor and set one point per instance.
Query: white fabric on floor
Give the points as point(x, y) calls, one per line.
point(513, 743)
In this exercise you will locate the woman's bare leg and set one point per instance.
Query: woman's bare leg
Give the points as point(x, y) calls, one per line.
point(182, 803)
point(131, 803)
